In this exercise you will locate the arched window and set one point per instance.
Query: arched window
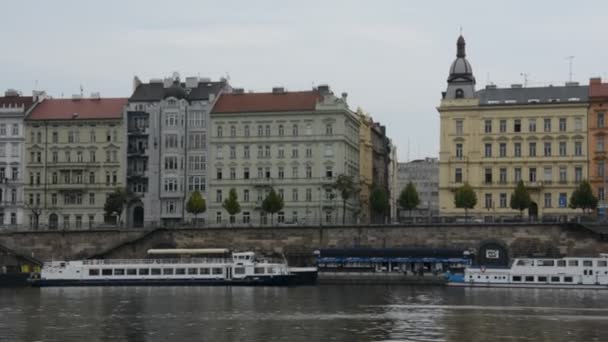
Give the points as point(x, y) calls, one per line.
point(459, 93)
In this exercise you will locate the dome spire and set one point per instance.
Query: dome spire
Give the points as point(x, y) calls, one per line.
point(460, 51)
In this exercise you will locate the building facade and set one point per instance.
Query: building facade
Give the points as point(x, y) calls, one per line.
point(365, 165)
point(73, 157)
point(296, 143)
point(13, 108)
point(424, 174)
point(380, 167)
point(495, 137)
point(598, 132)
point(167, 141)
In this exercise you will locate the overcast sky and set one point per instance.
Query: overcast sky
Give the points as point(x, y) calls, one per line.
point(391, 57)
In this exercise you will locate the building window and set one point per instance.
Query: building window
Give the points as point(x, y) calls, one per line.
point(532, 174)
point(281, 217)
point(295, 152)
point(218, 217)
point(245, 173)
point(232, 152)
point(308, 152)
point(517, 149)
point(578, 148)
point(458, 175)
point(91, 198)
point(562, 148)
point(459, 94)
point(246, 195)
point(294, 130)
point(547, 124)
point(503, 126)
point(459, 151)
point(308, 172)
point(260, 130)
point(246, 217)
point(53, 199)
point(532, 125)
point(488, 175)
point(600, 120)
point(488, 150)
point(329, 173)
point(600, 193)
point(563, 174)
point(517, 125)
point(517, 174)
point(246, 153)
point(532, 149)
point(219, 152)
point(548, 174)
point(294, 195)
point(547, 149)
point(488, 200)
point(267, 151)
point(308, 195)
point(562, 124)
point(503, 200)
point(232, 173)
point(578, 173)
point(563, 200)
point(329, 129)
point(294, 172)
point(246, 129)
point(281, 172)
point(219, 131)
point(232, 131)
point(219, 173)
point(578, 124)
point(218, 196)
point(267, 130)
point(502, 150)
point(548, 200)
point(459, 127)
point(267, 172)
point(503, 175)
point(487, 126)
point(600, 144)
point(281, 130)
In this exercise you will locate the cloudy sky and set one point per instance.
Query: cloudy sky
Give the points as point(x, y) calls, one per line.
point(391, 57)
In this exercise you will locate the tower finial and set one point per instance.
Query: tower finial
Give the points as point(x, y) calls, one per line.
point(460, 51)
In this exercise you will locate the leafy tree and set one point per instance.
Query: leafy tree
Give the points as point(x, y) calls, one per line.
point(465, 197)
point(346, 187)
point(272, 204)
point(231, 204)
point(378, 201)
point(408, 199)
point(583, 197)
point(520, 199)
point(115, 203)
point(196, 204)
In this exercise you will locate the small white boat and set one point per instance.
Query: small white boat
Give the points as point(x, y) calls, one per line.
point(569, 272)
point(220, 267)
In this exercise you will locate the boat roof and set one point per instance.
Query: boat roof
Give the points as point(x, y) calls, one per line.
point(189, 251)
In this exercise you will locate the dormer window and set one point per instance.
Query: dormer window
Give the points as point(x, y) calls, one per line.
point(459, 94)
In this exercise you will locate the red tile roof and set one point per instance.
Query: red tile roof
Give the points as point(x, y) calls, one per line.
point(266, 102)
point(16, 101)
point(64, 109)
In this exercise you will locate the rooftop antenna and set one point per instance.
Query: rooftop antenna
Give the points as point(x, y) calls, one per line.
point(408, 149)
point(570, 60)
point(525, 76)
point(461, 30)
point(81, 90)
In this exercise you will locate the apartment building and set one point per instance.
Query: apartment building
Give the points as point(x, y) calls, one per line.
point(73, 158)
point(598, 132)
point(294, 142)
point(424, 174)
point(167, 139)
point(495, 137)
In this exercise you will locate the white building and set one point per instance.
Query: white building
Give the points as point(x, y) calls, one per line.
point(424, 174)
point(294, 142)
point(167, 147)
point(13, 108)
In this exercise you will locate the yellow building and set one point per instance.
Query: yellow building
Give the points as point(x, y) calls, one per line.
point(75, 156)
point(495, 137)
point(366, 174)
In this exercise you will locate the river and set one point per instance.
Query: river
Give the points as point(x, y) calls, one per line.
point(315, 313)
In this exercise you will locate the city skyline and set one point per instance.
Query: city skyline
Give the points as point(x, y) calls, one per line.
point(390, 59)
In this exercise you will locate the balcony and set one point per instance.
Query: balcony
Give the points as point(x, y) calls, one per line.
point(139, 131)
point(136, 174)
point(533, 184)
point(135, 152)
point(456, 159)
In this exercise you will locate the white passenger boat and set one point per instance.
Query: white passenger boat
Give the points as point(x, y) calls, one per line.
point(579, 273)
point(216, 267)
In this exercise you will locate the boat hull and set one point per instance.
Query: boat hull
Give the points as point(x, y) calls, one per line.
point(529, 286)
point(279, 280)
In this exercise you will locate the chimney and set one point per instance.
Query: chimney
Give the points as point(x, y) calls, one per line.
point(323, 89)
point(11, 93)
point(571, 84)
point(516, 86)
point(595, 81)
point(344, 96)
point(238, 91)
point(192, 82)
point(95, 96)
point(491, 86)
point(76, 97)
point(278, 90)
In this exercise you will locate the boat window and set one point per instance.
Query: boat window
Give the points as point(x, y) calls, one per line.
point(144, 271)
point(542, 278)
point(131, 271)
point(269, 270)
point(192, 270)
point(258, 270)
point(180, 271)
point(525, 262)
point(167, 271)
point(516, 278)
point(155, 271)
point(602, 263)
point(239, 270)
point(561, 263)
point(567, 279)
point(218, 270)
point(529, 278)
point(205, 271)
point(106, 272)
point(545, 262)
point(93, 272)
point(587, 263)
point(555, 279)
point(119, 271)
point(572, 262)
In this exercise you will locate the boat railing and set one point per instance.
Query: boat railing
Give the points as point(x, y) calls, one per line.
point(157, 261)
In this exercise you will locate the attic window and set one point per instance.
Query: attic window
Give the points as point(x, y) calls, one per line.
point(493, 101)
point(574, 99)
point(553, 100)
point(533, 101)
point(459, 93)
point(510, 101)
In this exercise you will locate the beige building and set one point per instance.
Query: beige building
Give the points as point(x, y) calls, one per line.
point(495, 137)
point(294, 142)
point(366, 173)
point(74, 152)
